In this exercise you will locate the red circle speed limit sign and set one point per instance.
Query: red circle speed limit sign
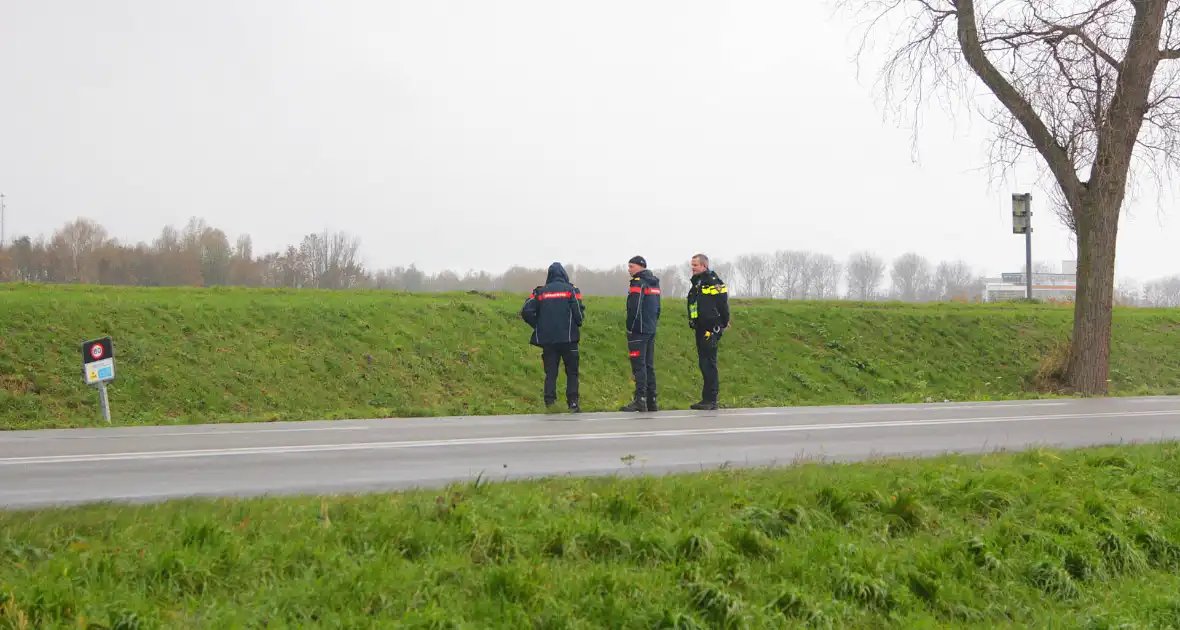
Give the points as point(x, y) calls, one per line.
point(96, 351)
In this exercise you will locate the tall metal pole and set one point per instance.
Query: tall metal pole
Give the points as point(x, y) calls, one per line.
point(1028, 258)
point(1022, 224)
point(2, 208)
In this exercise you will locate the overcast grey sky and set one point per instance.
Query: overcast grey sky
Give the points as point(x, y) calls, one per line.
point(438, 130)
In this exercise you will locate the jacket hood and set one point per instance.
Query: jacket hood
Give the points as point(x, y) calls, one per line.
point(557, 273)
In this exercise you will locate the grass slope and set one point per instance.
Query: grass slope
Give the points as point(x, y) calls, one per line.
point(1040, 539)
point(211, 355)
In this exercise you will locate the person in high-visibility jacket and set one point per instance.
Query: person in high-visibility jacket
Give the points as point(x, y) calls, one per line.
point(556, 312)
point(643, 315)
point(708, 315)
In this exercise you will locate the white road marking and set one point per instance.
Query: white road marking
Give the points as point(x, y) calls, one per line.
point(575, 437)
point(808, 411)
point(133, 432)
point(33, 436)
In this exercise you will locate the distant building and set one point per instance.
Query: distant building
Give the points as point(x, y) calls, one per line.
point(1046, 286)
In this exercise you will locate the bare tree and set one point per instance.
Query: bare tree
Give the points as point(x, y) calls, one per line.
point(445, 280)
point(176, 263)
point(955, 280)
point(243, 269)
point(522, 280)
point(824, 273)
point(7, 264)
point(479, 281)
point(1089, 85)
point(216, 257)
point(807, 273)
point(1162, 292)
point(244, 248)
point(911, 278)
point(756, 272)
point(866, 271)
point(791, 274)
point(673, 283)
point(190, 237)
point(78, 240)
point(610, 281)
point(330, 260)
point(1128, 292)
point(29, 260)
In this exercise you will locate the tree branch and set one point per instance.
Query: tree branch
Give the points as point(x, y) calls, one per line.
point(1078, 32)
point(1120, 129)
point(1173, 53)
point(1091, 45)
point(1055, 155)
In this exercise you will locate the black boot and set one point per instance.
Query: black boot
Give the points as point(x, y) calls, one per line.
point(704, 405)
point(574, 408)
point(651, 404)
point(639, 404)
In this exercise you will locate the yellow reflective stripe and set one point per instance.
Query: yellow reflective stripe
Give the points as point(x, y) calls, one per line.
point(714, 289)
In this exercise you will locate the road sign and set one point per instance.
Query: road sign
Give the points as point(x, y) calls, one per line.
point(98, 361)
point(97, 350)
point(1021, 224)
point(98, 367)
point(100, 372)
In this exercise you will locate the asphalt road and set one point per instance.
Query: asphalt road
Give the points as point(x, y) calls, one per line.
point(39, 468)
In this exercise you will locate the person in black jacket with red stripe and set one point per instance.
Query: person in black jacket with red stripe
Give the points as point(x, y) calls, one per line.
point(643, 314)
point(555, 311)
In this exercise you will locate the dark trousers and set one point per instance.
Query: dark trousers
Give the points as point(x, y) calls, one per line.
point(707, 359)
point(551, 356)
point(642, 350)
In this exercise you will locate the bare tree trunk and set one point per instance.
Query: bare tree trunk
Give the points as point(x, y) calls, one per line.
point(1089, 358)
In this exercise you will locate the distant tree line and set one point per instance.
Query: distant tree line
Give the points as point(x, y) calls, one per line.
point(82, 252)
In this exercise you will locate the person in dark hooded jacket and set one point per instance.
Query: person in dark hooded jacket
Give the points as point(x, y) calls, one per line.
point(555, 311)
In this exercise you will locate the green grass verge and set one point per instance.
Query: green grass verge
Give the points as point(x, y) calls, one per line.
point(1038, 539)
point(211, 355)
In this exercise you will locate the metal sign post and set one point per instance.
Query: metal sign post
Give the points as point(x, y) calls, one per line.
point(98, 367)
point(1022, 224)
point(106, 402)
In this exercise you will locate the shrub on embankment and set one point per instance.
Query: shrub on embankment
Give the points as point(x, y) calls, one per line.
point(211, 355)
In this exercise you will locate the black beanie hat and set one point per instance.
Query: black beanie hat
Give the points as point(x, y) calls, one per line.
point(638, 260)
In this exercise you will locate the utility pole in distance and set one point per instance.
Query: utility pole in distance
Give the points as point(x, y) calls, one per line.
point(2, 208)
point(1022, 224)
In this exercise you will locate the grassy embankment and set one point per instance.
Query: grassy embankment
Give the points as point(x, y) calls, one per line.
point(215, 355)
point(1083, 539)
